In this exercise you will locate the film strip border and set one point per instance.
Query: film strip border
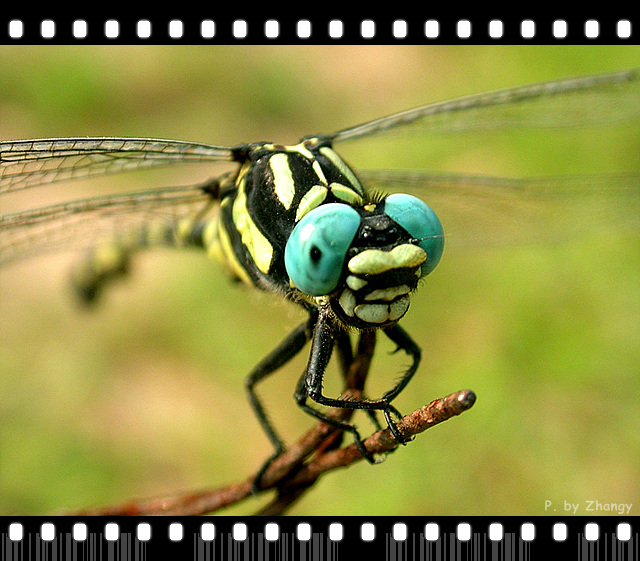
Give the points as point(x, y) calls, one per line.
point(386, 29)
point(260, 539)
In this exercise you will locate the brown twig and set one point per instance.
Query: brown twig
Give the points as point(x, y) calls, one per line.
point(313, 455)
point(212, 500)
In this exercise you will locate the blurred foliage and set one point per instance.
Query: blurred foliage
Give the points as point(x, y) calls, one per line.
point(144, 396)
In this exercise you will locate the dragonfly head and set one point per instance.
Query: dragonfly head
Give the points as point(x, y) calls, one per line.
point(367, 260)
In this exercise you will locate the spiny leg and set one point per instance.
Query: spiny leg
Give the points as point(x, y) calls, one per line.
point(404, 341)
point(345, 352)
point(354, 369)
point(301, 395)
point(310, 384)
point(353, 372)
point(277, 358)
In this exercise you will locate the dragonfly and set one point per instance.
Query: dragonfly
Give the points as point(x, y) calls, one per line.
point(297, 221)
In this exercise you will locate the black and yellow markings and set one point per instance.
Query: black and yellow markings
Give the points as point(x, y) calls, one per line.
point(286, 187)
point(284, 183)
point(296, 193)
point(254, 240)
point(344, 169)
point(223, 239)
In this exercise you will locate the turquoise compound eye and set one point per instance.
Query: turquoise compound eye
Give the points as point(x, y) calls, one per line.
point(421, 222)
point(315, 252)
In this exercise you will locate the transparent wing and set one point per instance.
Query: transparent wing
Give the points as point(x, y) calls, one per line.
point(481, 211)
point(84, 223)
point(27, 163)
point(575, 102)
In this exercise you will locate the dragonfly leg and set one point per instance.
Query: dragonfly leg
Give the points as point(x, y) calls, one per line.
point(301, 396)
point(277, 358)
point(404, 341)
point(346, 357)
point(310, 386)
point(345, 352)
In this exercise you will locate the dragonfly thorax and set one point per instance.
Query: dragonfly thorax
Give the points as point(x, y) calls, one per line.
point(274, 189)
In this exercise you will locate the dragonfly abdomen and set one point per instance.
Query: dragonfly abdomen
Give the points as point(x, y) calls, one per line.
point(111, 259)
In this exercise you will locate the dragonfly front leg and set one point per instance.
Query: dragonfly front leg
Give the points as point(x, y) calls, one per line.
point(310, 384)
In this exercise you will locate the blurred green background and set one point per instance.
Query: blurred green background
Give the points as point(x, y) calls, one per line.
point(144, 396)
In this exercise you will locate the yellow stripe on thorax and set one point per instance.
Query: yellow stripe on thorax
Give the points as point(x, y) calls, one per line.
point(254, 240)
point(223, 252)
point(283, 182)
